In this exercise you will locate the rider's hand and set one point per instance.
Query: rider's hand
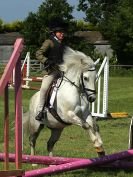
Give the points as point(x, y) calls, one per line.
point(48, 63)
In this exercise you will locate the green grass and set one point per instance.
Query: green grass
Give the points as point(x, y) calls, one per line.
point(74, 141)
point(121, 94)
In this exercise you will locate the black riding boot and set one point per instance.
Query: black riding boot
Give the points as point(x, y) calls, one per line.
point(40, 116)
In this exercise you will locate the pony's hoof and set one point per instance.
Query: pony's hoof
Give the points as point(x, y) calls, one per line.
point(101, 154)
point(85, 125)
point(50, 154)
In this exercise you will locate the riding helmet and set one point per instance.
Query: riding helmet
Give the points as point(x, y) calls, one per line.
point(57, 24)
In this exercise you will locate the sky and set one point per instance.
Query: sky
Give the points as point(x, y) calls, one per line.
point(12, 10)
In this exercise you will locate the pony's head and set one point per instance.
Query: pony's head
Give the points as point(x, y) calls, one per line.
point(77, 63)
point(88, 82)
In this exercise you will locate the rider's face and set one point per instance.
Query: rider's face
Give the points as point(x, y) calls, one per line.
point(60, 35)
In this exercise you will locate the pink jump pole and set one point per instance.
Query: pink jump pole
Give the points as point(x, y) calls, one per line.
point(46, 160)
point(80, 164)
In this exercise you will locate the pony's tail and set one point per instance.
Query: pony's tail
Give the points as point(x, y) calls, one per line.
point(25, 122)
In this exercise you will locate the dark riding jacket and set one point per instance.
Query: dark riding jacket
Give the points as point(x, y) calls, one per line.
point(51, 53)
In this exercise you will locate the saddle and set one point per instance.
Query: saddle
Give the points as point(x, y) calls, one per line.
point(50, 102)
point(51, 94)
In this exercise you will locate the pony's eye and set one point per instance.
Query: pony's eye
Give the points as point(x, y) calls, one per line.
point(85, 78)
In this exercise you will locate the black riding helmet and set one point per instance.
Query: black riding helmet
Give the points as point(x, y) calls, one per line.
point(57, 24)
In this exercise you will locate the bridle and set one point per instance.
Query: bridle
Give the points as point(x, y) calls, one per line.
point(82, 87)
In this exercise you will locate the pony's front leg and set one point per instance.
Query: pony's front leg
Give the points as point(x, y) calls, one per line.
point(93, 131)
point(92, 128)
point(74, 119)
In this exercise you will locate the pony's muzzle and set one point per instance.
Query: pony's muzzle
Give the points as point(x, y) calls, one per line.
point(91, 98)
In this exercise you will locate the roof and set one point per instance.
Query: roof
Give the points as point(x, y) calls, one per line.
point(9, 38)
point(92, 36)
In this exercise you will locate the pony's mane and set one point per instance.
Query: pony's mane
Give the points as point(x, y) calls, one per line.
point(77, 60)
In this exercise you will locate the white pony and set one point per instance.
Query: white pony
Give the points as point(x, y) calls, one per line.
point(76, 90)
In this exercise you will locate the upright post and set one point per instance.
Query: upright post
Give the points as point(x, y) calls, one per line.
point(102, 110)
point(6, 129)
point(18, 114)
point(105, 88)
point(98, 96)
point(28, 68)
point(130, 143)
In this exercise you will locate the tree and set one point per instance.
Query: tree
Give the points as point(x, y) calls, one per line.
point(35, 29)
point(114, 19)
point(96, 10)
point(119, 31)
point(30, 29)
point(1, 25)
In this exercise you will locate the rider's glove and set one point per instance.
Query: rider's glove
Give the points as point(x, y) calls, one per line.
point(48, 63)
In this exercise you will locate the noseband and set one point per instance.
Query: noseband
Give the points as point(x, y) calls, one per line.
point(84, 89)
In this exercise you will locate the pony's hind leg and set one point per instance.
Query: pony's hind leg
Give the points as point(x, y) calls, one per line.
point(55, 135)
point(33, 137)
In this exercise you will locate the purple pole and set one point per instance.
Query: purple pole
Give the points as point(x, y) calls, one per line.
point(79, 164)
point(120, 165)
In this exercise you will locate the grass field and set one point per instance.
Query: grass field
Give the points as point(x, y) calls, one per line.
point(74, 141)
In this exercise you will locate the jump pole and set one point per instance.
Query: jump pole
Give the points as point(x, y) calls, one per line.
point(68, 164)
point(34, 79)
point(46, 160)
point(79, 164)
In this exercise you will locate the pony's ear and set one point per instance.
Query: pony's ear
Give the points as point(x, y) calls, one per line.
point(97, 61)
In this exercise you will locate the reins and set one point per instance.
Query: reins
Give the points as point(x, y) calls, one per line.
point(82, 89)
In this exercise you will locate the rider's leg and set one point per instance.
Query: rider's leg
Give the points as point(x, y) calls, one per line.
point(46, 82)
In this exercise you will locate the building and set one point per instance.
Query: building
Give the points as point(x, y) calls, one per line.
point(7, 41)
point(102, 46)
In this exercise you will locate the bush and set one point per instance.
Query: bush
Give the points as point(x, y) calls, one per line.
point(1, 26)
point(15, 26)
